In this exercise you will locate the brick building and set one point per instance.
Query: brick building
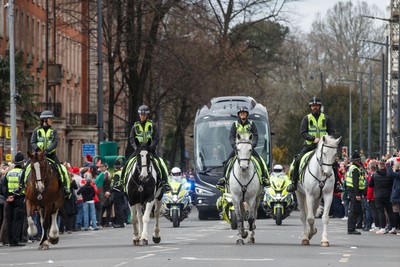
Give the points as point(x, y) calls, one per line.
point(67, 85)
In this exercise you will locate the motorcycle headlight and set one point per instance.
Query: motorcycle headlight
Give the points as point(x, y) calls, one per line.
point(174, 198)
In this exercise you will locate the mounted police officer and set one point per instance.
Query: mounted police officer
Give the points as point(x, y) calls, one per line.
point(355, 183)
point(144, 131)
point(313, 126)
point(14, 207)
point(45, 137)
point(243, 125)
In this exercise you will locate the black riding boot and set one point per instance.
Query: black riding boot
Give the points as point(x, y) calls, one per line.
point(222, 181)
point(164, 180)
point(294, 176)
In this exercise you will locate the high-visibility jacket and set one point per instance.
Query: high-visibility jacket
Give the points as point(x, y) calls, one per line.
point(349, 177)
point(45, 138)
point(241, 129)
point(13, 179)
point(143, 135)
point(316, 128)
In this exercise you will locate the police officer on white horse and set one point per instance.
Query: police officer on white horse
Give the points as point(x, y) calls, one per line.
point(243, 125)
point(313, 126)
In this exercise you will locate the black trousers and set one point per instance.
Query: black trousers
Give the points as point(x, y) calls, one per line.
point(118, 200)
point(382, 204)
point(355, 210)
point(15, 219)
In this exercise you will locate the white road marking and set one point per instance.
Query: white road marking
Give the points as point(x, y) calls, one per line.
point(145, 256)
point(223, 259)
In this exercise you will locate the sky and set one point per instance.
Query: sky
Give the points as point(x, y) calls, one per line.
point(308, 9)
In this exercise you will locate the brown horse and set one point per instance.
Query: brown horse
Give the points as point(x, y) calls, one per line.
point(44, 194)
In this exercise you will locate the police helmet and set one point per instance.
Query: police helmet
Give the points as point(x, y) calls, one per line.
point(19, 158)
point(118, 164)
point(46, 114)
point(356, 155)
point(176, 171)
point(243, 109)
point(278, 168)
point(315, 101)
point(143, 109)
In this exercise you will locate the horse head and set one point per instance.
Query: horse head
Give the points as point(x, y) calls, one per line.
point(326, 153)
point(244, 149)
point(40, 168)
point(143, 162)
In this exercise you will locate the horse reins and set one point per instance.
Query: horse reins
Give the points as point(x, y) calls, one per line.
point(320, 163)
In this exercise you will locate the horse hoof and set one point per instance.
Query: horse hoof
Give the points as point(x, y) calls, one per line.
point(239, 242)
point(251, 240)
point(43, 247)
point(156, 239)
point(305, 242)
point(245, 234)
point(136, 242)
point(311, 234)
point(54, 240)
point(144, 242)
point(324, 244)
point(252, 227)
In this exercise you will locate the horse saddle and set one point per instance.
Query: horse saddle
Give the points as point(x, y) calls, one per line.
point(304, 163)
point(253, 159)
point(61, 170)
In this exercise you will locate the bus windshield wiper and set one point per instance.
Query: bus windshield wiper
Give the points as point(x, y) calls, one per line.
point(208, 170)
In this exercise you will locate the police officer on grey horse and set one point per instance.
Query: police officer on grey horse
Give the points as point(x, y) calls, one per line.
point(313, 126)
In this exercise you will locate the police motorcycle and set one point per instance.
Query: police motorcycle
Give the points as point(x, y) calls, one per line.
point(278, 203)
point(177, 204)
point(226, 209)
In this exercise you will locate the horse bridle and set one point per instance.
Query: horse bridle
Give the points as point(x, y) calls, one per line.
point(320, 163)
point(239, 159)
point(46, 172)
point(138, 168)
point(244, 187)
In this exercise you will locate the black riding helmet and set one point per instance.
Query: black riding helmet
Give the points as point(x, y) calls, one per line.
point(19, 158)
point(243, 109)
point(315, 101)
point(143, 109)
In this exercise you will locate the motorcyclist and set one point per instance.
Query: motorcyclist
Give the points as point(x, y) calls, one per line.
point(243, 125)
point(313, 126)
point(144, 131)
point(177, 175)
point(277, 170)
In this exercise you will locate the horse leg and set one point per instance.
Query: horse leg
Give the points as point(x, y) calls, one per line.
point(146, 220)
point(325, 219)
point(302, 207)
point(157, 212)
point(44, 242)
point(32, 229)
point(240, 213)
point(135, 225)
point(310, 214)
point(54, 231)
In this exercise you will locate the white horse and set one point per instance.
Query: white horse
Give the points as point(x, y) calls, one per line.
point(318, 181)
point(245, 186)
point(143, 194)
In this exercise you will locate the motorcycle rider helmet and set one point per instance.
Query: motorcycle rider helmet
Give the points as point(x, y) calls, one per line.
point(144, 110)
point(176, 171)
point(243, 109)
point(46, 114)
point(315, 101)
point(278, 168)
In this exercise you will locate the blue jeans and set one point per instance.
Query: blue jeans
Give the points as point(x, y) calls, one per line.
point(89, 215)
point(79, 216)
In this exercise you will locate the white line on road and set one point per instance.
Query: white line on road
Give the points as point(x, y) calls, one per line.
point(145, 256)
point(120, 264)
point(222, 259)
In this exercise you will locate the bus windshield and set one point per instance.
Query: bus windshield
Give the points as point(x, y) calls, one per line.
point(213, 146)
